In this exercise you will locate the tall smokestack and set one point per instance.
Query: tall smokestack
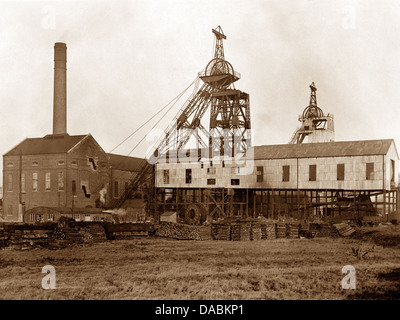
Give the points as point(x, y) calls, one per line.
point(60, 89)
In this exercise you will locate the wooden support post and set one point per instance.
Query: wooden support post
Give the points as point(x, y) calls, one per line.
point(291, 202)
point(247, 202)
point(262, 202)
point(326, 203)
point(254, 203)
point(272, 203)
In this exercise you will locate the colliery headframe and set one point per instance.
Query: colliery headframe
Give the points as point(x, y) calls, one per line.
point(204, 167)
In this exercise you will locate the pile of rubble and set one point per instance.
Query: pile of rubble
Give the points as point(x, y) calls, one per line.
point(177, 231)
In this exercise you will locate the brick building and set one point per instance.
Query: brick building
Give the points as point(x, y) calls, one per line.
point(59, 171)
point(62, 172)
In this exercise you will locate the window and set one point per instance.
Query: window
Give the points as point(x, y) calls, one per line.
point(50, 217)
point(235, 182)
point(61, 163)
point(23, 190)
point(188, 175)
point(211, 170)
point(392, 170)
point(10, 165)
point(32, 217)
point(166, 176)
point(92, 163)
point(34, 181)
point(211, 181)
point(10, 182)
point(85, 189)
point(116, 191)
point(260, 174)
point(76, 216)
point(47, 181)
point(312, 172)
point(60, 181)
point(74, 163)
point(35, 164)
point(73, 187)
point(285, 173)
point(340, 171)
point(369, 171)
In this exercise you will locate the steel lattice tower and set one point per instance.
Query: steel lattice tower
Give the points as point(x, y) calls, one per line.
point(229, 122)
point(230, 108)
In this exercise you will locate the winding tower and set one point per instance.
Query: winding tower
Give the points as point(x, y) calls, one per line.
point(314, 124)
point(229, 123)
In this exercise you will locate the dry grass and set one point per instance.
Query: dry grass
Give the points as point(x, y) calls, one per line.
point(155, 268)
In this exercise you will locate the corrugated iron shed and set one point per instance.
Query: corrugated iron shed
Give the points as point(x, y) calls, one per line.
point(323, 149)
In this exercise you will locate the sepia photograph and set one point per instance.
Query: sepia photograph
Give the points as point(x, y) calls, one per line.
point(198, 155)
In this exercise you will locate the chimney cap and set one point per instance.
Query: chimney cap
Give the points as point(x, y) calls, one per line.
point(60, 44)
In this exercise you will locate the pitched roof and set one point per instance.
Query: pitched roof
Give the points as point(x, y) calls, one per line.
point(49, 144)
point(323, 149)
point(125, 162)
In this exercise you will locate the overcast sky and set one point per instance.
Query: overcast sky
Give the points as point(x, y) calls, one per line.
point(127, 59)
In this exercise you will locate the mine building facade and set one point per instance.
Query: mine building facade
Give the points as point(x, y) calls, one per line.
point(286, 180)
point(312, 175)
point(62, 174)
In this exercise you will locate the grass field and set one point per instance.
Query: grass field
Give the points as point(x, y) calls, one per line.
point(157, 268)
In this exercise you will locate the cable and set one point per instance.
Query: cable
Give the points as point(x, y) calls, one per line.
point(178, 96)
point(176, 100)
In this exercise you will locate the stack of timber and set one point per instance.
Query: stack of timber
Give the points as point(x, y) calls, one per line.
point(270, 230)
point(280, 228)
point(221, 231)
point(128, 230)
point(303, 231)
point(74, 235)
point(24, 236)
point(97, 232)
point(263, 228)
point(344, 229)
point(245, 231)
point(324, 230)
point(319, 230)
point(177, 231)
point(292, 229)
point(59, 234)
point(235, 232)
point(255, 231)
point(80, 233)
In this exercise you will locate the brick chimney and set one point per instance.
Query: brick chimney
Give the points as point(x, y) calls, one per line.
point(60, 89)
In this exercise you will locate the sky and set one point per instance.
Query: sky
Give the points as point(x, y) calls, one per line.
point(128, 59)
